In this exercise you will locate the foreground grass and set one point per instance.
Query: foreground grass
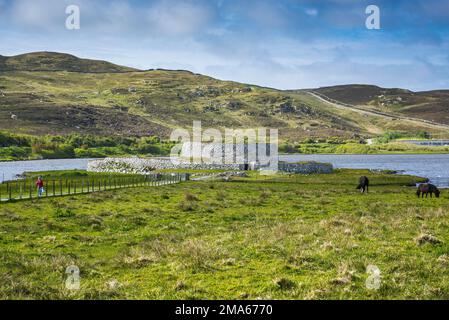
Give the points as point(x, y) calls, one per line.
point(282, 237)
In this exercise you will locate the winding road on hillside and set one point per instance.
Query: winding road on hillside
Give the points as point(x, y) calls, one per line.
point(346, 106)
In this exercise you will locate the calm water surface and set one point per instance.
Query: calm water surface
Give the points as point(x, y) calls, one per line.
point(9, 170)
point(432, 166)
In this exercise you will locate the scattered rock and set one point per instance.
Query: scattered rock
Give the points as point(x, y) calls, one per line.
point(112, 284)
point(234, 105)
point(444, 259)
point(180, 285)
point(49, 238)
point(427, 238)
point(241, 174)
point(287, 107)
point(228, 262)
point(327, 245)
point(341, 281)
point(211, 108)
point(285, 284)
point(138, 260)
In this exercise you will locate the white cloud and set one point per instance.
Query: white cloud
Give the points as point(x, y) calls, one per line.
point(38, 14)
point(119, 18)
point(267, 14)
point(189, 35)
point(177, 18)
point(312, 12)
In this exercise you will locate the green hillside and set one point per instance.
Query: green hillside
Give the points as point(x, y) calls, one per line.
point(53, 61)
point(51, 93)
point(428, 105)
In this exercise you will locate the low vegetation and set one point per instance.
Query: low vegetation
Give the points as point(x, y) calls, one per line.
point(28, 147)
point(267, 237)
point(25, 147)
point(385, 144)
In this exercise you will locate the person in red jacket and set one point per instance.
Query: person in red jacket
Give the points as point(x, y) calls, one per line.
point(40, 186)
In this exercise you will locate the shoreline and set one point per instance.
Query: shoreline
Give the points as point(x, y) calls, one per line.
point(437, 175)
point(280, 154)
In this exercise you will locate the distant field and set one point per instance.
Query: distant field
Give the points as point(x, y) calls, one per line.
point(279, 237)
point(428, 105)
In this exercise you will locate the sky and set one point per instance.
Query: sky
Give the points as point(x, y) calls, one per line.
point(285, 44)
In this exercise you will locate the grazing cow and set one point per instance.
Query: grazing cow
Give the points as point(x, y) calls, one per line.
point(363, 184)
point(426, 189)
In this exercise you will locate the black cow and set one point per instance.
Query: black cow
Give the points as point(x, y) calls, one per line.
point(363, 184)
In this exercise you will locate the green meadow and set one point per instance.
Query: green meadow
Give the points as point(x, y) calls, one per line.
point(257, 237)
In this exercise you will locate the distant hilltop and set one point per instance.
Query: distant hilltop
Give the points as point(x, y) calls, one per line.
point(54, 61)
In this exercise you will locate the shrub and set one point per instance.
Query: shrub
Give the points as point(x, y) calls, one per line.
point(187, 206)
point(63, 213)
point(190, 197)
point(11, 153)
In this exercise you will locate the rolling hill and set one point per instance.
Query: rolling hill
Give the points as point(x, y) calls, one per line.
point(53, 61)
point(428, 105)
point(53, 93)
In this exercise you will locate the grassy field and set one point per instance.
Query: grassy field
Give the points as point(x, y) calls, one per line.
point(279, 237)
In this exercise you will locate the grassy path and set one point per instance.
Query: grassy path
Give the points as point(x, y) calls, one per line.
point(58, 186)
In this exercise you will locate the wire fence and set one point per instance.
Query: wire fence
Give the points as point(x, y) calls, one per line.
point(26, 188)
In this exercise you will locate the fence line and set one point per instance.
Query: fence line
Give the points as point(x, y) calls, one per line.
point(26, 188)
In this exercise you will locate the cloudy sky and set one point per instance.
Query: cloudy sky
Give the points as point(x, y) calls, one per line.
point(285, 44)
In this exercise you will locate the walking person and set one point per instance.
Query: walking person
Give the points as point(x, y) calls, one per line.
point(40, 187)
